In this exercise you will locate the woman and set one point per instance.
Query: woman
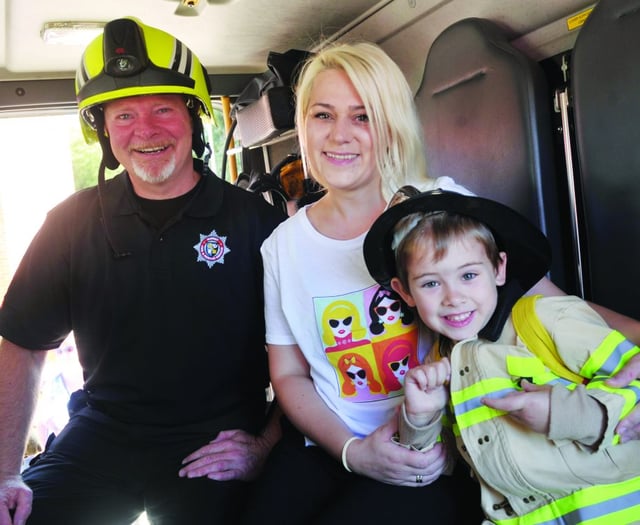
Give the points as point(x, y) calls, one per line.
point(360, 139)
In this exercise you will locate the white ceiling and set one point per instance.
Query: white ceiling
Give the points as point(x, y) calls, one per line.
point(228, 36)
point(236, 36)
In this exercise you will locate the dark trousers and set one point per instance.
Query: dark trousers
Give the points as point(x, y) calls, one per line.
point(98, 471)
point(306, 486)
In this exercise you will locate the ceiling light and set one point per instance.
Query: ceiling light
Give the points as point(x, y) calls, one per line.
point(190, 7)
point(70, 33)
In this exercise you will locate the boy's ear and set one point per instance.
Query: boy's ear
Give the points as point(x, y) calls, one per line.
point(398, 287)
point(501, 270)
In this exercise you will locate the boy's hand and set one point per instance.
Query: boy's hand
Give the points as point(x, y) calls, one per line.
point(531, 407)
point(426, 392)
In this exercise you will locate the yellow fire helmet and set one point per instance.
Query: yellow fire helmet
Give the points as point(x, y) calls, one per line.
point(130, 59)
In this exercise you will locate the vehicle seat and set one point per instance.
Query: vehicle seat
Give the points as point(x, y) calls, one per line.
point(605, 84)
point(486, 113)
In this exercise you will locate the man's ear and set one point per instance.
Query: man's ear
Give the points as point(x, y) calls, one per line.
point(398, 287)
point(501, 270)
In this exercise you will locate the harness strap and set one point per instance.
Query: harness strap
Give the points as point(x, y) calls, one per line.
point(537, 339)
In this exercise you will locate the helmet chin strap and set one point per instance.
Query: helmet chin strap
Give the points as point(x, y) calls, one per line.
point(198, 143)
point(108, 158)
point(108, 161)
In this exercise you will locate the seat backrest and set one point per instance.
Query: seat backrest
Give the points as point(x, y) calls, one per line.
point(605, 87)
point(485, 109)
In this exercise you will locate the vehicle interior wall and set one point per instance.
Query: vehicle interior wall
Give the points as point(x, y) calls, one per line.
point(604, 86)
point(406, 30)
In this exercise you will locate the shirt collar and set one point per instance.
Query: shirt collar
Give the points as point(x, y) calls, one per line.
point(120, 198)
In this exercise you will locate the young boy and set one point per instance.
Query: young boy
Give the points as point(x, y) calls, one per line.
point(537, 431)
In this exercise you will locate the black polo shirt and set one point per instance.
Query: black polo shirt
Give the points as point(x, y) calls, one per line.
point(173, 331)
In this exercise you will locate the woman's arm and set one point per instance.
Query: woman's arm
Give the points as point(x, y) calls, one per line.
point(629, 428)
point(375, 456)
point(301, 403)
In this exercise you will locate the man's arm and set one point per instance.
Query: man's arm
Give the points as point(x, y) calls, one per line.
point(20, 371)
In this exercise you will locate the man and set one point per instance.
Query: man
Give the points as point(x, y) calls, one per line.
point(158, 273)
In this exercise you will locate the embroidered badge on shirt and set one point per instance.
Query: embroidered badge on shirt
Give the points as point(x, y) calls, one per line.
point(212, 248)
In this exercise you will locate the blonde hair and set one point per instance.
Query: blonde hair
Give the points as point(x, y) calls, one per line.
point(388, 101)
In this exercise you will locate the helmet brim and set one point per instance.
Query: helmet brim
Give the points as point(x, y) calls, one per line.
point(528, 250)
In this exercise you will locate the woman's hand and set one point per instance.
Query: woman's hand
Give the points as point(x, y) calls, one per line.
point(629, 428)
point(378, 457)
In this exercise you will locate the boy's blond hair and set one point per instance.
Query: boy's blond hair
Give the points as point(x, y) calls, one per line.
point(437, 231)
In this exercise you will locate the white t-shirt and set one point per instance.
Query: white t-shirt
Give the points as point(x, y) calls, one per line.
point(358, 338)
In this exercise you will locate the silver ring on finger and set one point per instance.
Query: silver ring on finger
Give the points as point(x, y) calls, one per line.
point(418, 478)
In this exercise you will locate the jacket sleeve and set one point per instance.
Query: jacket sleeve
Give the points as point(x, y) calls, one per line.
point(575, 416)
point(596, 352)
point(418, 438)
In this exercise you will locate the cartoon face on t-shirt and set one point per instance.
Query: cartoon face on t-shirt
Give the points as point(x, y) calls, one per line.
point(371, 338)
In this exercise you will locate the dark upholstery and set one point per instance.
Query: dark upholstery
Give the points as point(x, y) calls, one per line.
point(485, 109)
point(605, 84)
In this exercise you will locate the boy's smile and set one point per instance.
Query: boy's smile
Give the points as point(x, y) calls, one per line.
point(456, 295)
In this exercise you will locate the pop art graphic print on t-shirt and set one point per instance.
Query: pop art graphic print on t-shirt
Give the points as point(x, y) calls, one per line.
point(371, 339)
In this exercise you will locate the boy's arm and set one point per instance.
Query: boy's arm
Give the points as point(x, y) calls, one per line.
point(626, 325)
point(426, 395)
point(576, 416)
point(418, 438)
point(556, 411)
point(590, 348)
point(629, 428)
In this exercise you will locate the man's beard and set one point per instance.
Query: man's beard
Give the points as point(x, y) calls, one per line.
point(154, 176)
